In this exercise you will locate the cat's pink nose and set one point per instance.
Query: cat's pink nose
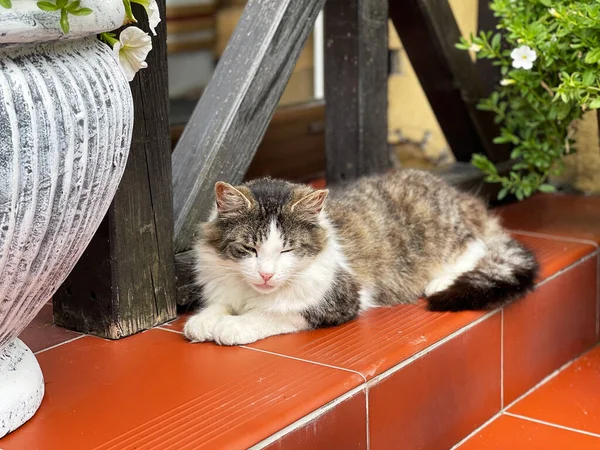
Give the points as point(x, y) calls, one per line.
point(266, 276)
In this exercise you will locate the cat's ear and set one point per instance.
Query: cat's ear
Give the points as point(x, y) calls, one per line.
point(312, 204)
point(230, 200)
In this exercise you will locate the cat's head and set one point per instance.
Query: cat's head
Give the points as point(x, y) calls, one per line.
point(267, 230)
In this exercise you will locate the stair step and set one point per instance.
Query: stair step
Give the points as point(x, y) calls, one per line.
point(401, 377)
point(562, 412)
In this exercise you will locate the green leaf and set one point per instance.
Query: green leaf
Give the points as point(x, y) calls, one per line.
point(519, 194)
point(503, 192)
point(589, 77)
point(595, 104)
point(501, 140)
point(61, 3)
point(547, 188)
point(496, 41)
point(6, 4)
point(73, 6)
point(64, 21)
point(82, 12)
point(47, 6)
point(593, 56)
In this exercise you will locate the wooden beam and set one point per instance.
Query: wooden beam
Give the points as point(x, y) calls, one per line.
point(451, 81)
point(125, 280)
point(489, 74)
point(231, 117)
point(356, 72)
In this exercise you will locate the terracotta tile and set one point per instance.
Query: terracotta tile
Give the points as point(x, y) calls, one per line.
point(548, 328)
point(41, 333)
point(508, 432)
point(563, 215)
point(377, 341)
point(343, 427)
point(571, 399)
point(554, 255)
point(319, 183)
point(438, 399)
point(155, 390)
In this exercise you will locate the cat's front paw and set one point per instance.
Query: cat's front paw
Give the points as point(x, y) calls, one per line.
point(236, 330)
point(200, 327)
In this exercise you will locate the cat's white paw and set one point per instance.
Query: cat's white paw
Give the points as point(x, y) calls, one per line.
point(200, 327)
point(236, 330)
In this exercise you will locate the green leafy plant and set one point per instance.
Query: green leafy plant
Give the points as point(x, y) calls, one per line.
point(548, 52)
point(65, 7)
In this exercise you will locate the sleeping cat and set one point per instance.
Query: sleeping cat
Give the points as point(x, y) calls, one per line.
point(277, 257)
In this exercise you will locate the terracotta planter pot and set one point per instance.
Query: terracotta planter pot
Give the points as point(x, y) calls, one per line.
point(66, 117)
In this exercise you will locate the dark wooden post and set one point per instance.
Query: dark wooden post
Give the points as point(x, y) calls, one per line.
point(449, 78)
point(230, 119)
point(125, 280)
point(488, 74)
point(356, 73)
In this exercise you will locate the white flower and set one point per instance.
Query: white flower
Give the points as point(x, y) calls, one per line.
point(475, 48)
point(507, 82)
point(554, 13)
point(131, 50)
point(523, 57)
point(152, 11)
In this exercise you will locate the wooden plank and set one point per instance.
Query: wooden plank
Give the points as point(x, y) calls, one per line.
point(489, 74)
point(450, 80)
point(293, 147)
point(125, 281)
point(231, 117)
point(356, 61)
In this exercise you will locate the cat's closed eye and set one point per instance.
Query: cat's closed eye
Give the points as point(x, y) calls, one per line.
point(249, 249)
point(287, 250)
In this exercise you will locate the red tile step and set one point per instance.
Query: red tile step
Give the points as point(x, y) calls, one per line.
point(401, 377)
point(562, 412)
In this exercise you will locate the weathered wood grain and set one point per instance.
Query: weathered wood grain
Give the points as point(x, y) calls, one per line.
point(125, 281)
point(231, 117)
point(356, 72)
point(449, 78)
point(489, 74)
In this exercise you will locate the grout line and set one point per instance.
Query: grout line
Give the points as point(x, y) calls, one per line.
point(306, 361)
point(308, 418)
point(598, 298)
point(544, 381)
point(429, 349)
point(58, 345)
point(477, 430)
point(595, 253)
point(502, 360)
point(165, 329)
point(555, 237)
point(554, 425)
point(367, 394)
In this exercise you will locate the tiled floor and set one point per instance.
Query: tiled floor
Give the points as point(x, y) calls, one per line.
point(562, 413)
point(396, 378)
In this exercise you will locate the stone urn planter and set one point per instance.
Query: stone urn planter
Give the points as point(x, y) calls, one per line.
point(66, 117)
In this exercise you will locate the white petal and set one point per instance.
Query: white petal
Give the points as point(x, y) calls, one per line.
point(527, 65)
point(133, 48)
point(515, 53)
point(153, 16)
point(531, 55)
point(517, 63)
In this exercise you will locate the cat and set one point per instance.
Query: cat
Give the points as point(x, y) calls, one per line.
point(277, 257)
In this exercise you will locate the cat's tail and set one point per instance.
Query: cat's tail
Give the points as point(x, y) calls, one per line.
point(504, 274)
